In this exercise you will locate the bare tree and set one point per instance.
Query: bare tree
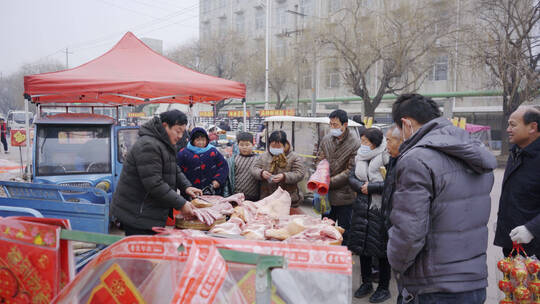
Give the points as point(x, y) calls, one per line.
point(12, 86)
point(190, 55)
point(505, 37)
point(222, 56)
point(393, 44)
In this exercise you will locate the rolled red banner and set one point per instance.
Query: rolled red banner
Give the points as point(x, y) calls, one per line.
point(320, 179)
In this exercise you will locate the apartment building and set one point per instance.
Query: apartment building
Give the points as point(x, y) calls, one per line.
point(247, 18)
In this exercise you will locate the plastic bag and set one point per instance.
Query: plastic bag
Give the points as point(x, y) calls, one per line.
point(520, 283)
point(321, 204)
point(319, 181)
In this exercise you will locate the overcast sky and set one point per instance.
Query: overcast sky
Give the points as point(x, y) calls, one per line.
point(36, 30)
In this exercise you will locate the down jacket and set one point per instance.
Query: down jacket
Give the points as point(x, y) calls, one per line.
point(367, 235)
point(441, 207)
point(340, 153)
point(146, 190)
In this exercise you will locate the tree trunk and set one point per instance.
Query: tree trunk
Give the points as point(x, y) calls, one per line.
point(369, 109)
point(278, 100)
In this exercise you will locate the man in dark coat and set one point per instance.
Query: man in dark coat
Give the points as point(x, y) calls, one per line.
point(146, 190)
point(518, 219)
point(441, 204)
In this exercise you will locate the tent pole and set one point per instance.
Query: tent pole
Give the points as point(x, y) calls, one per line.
point(27, 123)
point(245, 114)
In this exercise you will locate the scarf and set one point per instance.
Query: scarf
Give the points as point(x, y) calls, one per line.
point(368, 169)
point(278, 161)
point(198, 150)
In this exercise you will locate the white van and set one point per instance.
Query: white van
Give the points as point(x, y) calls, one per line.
point(16, 119)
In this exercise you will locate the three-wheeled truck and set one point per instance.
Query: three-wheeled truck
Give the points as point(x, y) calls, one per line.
point(76, 162)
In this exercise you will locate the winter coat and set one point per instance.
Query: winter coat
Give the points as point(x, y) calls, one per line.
point(294, 172)
point(520, 197)
point(203, 168)
point(387, 190)
point(340, 153)
point(146, 190)
point(241, 178)
point(367, 235)
point(441, 207)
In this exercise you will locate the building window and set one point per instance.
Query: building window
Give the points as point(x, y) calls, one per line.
point(334, 5)
point(222, 26)
point(206, 30)
point(281, 17)
point(368, 3)
point(307, 7)
point(205, 5)
point(333, 80)
point(259, 18)
point(281, 49)
point(306, 81)
point(439, 71)
point(222, 3)
point(240, 20)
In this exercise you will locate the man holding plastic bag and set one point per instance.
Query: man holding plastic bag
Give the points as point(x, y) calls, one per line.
point(339, 149)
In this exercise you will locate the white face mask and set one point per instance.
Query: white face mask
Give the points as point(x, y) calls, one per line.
point(276, 151)
point(336, 132)
point(364, 149)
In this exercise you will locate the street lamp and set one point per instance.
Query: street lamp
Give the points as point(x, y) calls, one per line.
point(268, 10)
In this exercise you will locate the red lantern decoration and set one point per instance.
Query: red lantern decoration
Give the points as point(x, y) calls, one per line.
point(506, 286)
point(521, 293)
point(505, 265)
point(519, 271)
point(534, 287)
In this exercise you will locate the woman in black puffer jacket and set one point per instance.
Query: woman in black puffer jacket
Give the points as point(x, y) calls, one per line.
point(367, 236)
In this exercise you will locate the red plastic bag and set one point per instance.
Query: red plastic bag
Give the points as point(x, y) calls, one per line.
point(319, 181)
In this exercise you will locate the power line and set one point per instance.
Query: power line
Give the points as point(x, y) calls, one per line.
point(99, 41)
point(127, 9)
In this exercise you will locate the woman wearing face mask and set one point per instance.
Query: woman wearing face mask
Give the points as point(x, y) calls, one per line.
point(202, 163)
point(280, 167)
point(367, 233)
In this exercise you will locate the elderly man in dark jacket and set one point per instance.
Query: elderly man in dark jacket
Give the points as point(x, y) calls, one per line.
point(441, 205)
point(339, 148)
point(146, 191)
point(519, 206)
point(369, 232)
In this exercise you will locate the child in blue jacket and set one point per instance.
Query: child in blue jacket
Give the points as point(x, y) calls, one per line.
point(202, 163)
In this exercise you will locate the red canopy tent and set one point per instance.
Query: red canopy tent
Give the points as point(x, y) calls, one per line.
point(130, 73)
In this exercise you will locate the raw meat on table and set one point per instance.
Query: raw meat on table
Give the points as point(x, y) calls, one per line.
point(232, 226)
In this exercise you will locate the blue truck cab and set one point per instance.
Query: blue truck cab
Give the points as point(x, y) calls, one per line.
point(80, 150)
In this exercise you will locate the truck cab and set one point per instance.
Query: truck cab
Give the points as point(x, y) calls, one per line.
point(81, 150)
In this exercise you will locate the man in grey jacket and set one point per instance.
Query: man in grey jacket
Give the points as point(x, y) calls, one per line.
point(441, 205)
